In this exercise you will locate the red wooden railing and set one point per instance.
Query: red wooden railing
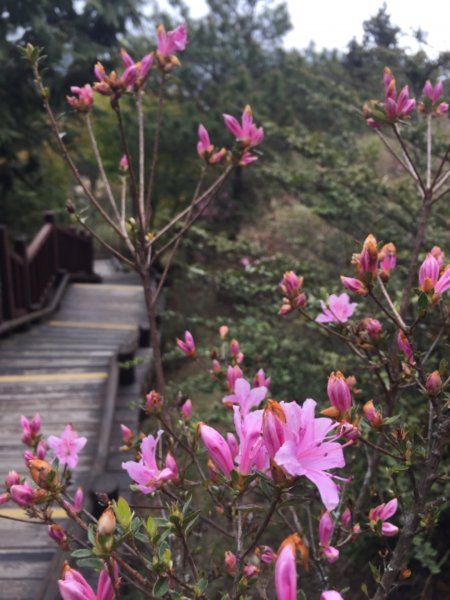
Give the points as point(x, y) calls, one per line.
point(28, 271)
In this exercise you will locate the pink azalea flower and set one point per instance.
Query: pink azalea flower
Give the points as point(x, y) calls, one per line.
point(230, 562)
point(73, 586)
point(127, 435)
point(286, 570)
point(337, 309)
point(404, 346)
point(173, 41)
point(235, 352)
point(431, 100)
point(186, 410)
point(83, 98)
point(67, 447)
point(326, 528)
point(4, 498)
point(394, 108)
point(124, 163)
point(206, 150)
point(188, 346)
point(252, 452)
point(267, 555)
point(146, 472)
point(381, 513)
point(13, 478)
point(78, 499)
point(245, 396)
point(387, 260)
point(429, 273)
point(273, 427)
point(233, 374)
point(309, 451)
point(261, 379)
point(245, 132)
point(135, 74)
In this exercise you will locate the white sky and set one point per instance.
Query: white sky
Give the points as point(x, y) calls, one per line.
point(333, 23)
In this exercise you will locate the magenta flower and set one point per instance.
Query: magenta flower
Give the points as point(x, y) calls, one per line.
point(186, 410)
point(171, 42)
point(273, 427)
point(286, 570)
point(387, 260)
point(4, 498)
point(235, 352)
point(83, 98)
point(30, 429)
point(331, 595)
point(245, 132)
point(217, 448)
point(260, 379)
point(245, 396)
point(73, 586)
point(77, 505)
point(146, 473)
point(380, 514)
point(230, 562)
point(127, 435)
point(337, 309)
point(206, 150)
point(124, 163)
point(188, 346)
point(431, 100)
point(309, 451)
point(339, 392)
point(370, 328)
point(267, 555)
point(13, 478)
point(135, 74)
point(252, 451)
point(430, 278)
point(326, 528)
point(67, 447)
point(354, 285)
point(233, 374)
point(394, 108)
point(22, 494)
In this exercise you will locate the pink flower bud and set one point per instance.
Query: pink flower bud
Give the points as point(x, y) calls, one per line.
point(331, 595)
point(78, 500)
point(354, 285)
point(434, 383)
point(30, 429)
point(286, 570)
point(233, 373)
point(428, 273)
point(230, 563)
point(57, 533)
point(233, 445)
point(4, 498)
point(215, 364)
point(124, 164)
point(273, 427)
point(379, 515)
point(223, 331)
point(27, 456)
point(371, 327)
point(153, 402)
point(188, 345)
point(235, 352)
point(251, 571)
point(267, 555)
point(346, 518)
point(339, 392)
point(217, 448)
point(261, 379)
point(13, 478)
point(387, 258)
point(372, 415)
point(366, 262)
point(41, 450)
point(171, 464)
point(22, 494)
point(127, 435)
point(83, 98)
point(290, 284)
point(186, 410)
point(404, 346)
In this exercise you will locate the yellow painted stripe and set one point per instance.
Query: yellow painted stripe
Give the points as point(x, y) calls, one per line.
point(107, 286)
point(19, 513)
point(36, 377)
point(93, 325)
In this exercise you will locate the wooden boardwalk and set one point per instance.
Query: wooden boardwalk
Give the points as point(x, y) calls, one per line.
point(66, 369)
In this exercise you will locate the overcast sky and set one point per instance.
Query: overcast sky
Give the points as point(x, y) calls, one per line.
point(333, 23)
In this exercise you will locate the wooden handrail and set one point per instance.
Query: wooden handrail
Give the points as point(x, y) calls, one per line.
point(28, 271)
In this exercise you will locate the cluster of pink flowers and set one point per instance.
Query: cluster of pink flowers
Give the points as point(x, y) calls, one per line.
point(370, 263)
point(294, 297)
point(431, 102)
point(434, 274)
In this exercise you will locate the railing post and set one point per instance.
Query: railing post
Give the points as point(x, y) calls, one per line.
point(49, 217)
point(20, 246)
point(6, 292)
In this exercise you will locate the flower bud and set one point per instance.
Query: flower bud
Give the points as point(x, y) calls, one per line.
point(107, 522)
point(354, 285)
point(13, 478)
point(188, 345)
point(371, 415)
point(153, 402)
point(215, 366)
point(273, 426)
point(230, 563)
point(339, 392)
point(267, 555)
point(4, 498)
point(235, 352)
point(251, 571)
point(186, 410)
point(57, 533)
point(23, 495)
point(223, 331)
point(40, 471)
point(434, 383)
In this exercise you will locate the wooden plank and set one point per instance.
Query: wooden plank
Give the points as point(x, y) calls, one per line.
point(94, 325)
point(46, 377)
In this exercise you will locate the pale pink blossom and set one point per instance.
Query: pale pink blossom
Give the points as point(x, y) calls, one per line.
point(354, 285)
point(73, 586)
point(252, 452)
point(311, 449)
point(146, 473)
point(245, 396)
point(380, 514)
point(67, 447)
point(127, 435)
point(260, 379)
point(337, 309)
point(223, 331)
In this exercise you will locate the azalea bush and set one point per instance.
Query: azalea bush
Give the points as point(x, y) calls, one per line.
point(238, 505)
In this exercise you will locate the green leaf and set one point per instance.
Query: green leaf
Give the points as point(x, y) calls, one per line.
point(161, 587)
point(151, 527)
point(123, 512)
point(81, 553)
point(422, 302)
point(90, 563)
